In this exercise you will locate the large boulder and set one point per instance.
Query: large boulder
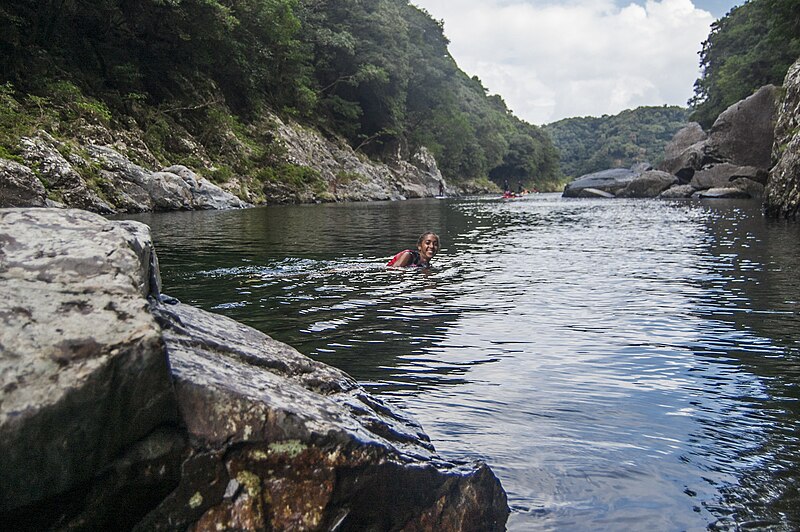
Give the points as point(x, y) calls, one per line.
point(122, 411)
point(83, 370)
point(648, 185)
point(722, 174)
point(686, 153)
point(737, 146)
point(743, 133)
point(19, 186)
point(678, 192)
point(687, 136)
point(282, 442)
point(610, 181)
point(782, 193)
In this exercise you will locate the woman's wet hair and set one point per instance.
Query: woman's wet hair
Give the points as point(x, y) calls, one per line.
point(426, 233)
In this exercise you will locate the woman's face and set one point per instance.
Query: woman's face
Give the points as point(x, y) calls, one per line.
point(428, 247)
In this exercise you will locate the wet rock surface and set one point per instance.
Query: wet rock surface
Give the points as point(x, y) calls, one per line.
point(121, 411)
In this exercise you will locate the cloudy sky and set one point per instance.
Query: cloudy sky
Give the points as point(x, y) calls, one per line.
point(553, 59)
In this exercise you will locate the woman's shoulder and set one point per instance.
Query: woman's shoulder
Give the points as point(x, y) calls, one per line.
point(400, 255)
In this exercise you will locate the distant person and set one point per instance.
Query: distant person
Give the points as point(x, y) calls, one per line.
point(505, 186)
point(520, 190)
point(427, 248)
point(441, 188)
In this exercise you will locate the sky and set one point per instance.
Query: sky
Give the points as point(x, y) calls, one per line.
point(554, 59)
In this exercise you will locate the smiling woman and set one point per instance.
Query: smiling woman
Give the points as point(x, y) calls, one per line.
point(427, 248)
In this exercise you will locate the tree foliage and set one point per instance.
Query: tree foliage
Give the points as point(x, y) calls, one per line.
point(591, 144)
point(374, 72)
point(752, 46)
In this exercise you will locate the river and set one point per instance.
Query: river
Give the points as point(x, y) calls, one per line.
point(621, 365)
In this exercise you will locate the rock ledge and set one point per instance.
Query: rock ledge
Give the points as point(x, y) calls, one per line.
point(120, 411)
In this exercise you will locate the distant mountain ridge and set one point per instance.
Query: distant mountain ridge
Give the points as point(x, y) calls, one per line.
point(591, 144)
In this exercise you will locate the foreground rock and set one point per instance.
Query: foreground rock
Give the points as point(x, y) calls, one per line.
point(83, 373)
point(241, 432)
point(782, 194)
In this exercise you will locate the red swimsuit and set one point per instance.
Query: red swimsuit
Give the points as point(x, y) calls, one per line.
point(416, 260)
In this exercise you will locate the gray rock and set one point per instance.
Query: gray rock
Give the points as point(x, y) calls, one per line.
point(609, 181)
point(720, 175)
point(691, 159)
point(136, 189)
point(687, 136)
point(19, 187)
point(41, 152)
point(678, 192)
point(82, 369)
point(743, 133)
point(782, 193)
point(350, 176)
point(297, 420)
point(648, 185)
point(203, 193)
point(686, 152)
point(721, 193)
point(243, 433)
point(754, 189)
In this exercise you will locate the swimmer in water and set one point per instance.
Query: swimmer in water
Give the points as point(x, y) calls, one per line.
point(427, 248)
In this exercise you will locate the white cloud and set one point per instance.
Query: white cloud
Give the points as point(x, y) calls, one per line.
point(550, 60)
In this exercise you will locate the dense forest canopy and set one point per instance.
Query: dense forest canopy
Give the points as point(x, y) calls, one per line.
point(752, 46)
point(374, 72)
point(591, 144)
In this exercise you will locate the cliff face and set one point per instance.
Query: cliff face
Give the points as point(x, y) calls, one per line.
point(123, 409)
point(782, 195)
point(98, 176)
point(348, 176)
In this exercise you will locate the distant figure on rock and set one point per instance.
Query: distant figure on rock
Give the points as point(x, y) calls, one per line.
point(427, 248)
point(441, 188)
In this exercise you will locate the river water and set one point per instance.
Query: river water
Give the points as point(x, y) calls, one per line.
point(621, 365)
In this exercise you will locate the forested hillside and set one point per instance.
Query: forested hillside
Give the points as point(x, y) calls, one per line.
point(376, 73)
point(590, 144)
point(750, 47)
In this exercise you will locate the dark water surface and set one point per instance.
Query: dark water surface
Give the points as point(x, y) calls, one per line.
point(621, 365)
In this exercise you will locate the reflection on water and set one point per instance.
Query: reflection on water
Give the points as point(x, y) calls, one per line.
point(620, 365)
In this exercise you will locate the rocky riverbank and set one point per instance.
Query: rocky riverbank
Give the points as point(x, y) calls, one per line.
point(96, 172)
point(751, 151)
point(123, 409)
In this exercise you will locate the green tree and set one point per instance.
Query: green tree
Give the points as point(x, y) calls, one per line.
point(590, 144)
point(752, 46)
